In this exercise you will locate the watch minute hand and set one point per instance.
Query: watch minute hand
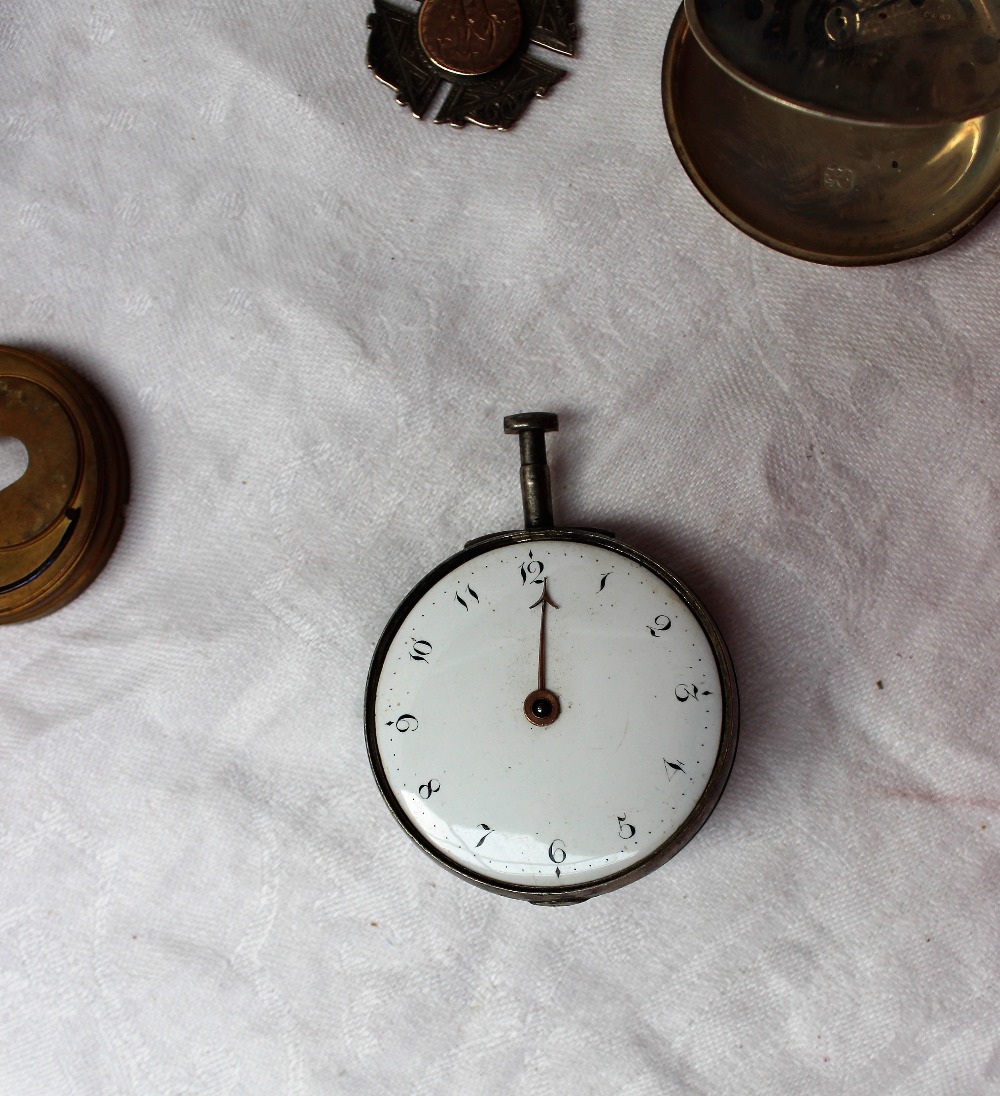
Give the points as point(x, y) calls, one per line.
point(544, 601)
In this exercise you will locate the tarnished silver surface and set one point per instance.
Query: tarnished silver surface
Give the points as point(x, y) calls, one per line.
point(479, 49)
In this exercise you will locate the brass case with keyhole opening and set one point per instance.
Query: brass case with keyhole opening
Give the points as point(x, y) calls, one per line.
point(60, 521)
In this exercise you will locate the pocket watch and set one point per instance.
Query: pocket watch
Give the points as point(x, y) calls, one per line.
point(550, 714)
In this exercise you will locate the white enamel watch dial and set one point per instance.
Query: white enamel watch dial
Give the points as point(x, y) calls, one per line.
point(551, 714)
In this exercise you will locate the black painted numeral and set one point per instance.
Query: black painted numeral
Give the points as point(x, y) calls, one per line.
point(557, 854)
point(470, 593)
point(432, 787)
point(404, 724)
point(420, 650)
point(531, 571)
point(488, 829)
point(685, 693)
point(659, 626)
point(625, 829)
point(604, 582)
point(673, 768)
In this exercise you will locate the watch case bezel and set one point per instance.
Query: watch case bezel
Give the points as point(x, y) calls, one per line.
point(703, 808)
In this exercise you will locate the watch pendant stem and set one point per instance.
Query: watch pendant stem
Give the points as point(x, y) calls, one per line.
point(536, 484)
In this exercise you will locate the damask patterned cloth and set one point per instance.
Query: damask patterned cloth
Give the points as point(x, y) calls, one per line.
point(311, 312)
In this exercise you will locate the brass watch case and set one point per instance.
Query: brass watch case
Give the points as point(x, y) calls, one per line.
point(819, 186)
point(60, 521)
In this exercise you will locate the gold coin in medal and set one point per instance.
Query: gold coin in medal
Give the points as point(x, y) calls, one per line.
point(470, 37)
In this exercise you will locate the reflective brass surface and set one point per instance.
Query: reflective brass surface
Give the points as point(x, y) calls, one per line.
point(820, 187)
point(898, 61)
point(470, 37)
point(61, 520)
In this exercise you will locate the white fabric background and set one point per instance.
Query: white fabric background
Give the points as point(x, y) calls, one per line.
point(311, 313)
